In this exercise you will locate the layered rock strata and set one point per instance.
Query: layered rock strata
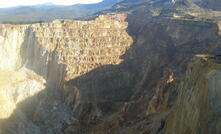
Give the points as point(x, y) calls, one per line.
point(117, 73)
point(198, 109)
point(77, 47)
point(37, 59)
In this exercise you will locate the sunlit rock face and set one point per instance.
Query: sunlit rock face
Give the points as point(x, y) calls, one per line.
point(63, 50)
point(73, 48)
point(85, 45)
point(11, 40)
point(116, 73)
point(39, 58)
point(17, 82)
point(16, 86)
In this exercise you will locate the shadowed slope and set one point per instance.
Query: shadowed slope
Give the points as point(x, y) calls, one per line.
point(132, 96)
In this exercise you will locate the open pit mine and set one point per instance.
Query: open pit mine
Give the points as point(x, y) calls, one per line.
point(141, 67)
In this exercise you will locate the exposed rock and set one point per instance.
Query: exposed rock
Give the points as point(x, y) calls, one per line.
point(16, 87)
point(117, 73)
point(39, 58)
point(197, 108)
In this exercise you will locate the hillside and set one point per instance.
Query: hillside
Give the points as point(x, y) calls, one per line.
point(140, 67)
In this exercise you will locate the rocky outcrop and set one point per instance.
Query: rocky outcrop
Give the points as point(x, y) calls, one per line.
point(42, 57)
point(147, 76)
point(116, 73)
point(16, 88)
point(197, 108)
point(71, 47)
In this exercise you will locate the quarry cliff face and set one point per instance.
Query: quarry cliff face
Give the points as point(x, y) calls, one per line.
point(117, 73)
point(40, 56)
point(77, 47)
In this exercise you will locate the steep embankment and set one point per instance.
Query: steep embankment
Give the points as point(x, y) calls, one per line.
point(37, 59)
point(198, 109)
point(159, 56)
point(75, 46)
point(116, 73)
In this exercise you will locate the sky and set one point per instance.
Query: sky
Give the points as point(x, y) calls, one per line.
point(13, 3)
